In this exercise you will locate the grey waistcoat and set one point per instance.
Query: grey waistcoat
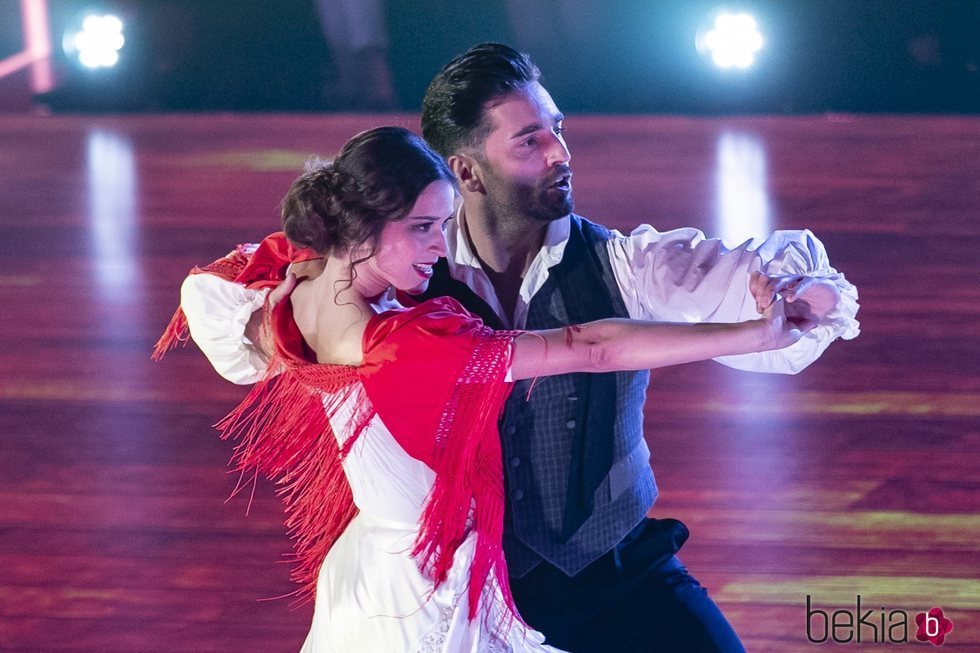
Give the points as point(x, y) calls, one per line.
point(543, 436)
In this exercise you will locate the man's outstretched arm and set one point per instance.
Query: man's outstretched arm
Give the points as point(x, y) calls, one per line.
point(680, 275)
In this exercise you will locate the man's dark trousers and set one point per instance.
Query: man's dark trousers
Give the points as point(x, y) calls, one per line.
point(637, 597)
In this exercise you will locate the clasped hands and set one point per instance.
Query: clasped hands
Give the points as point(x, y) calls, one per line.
point(805, 301)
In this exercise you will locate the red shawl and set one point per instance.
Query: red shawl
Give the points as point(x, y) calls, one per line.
point(435, 376)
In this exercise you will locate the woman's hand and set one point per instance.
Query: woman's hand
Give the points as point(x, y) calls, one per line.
point(780, 330)
point(257, 328)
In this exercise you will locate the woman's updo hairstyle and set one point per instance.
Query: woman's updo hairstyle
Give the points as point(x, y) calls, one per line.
point(375, 179)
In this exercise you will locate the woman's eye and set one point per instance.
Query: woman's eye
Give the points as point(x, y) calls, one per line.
point(422, 226)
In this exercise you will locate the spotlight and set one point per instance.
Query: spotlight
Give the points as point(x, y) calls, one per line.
point(732, 42)
point(97, 43)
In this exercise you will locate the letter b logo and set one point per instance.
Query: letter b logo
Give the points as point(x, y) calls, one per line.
point(933, 626)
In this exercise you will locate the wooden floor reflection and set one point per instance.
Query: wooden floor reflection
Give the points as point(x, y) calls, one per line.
point(860, 476)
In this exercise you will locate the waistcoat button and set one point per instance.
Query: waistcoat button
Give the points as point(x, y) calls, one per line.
point(515, 461)
point(510, 430)
point(518, 495)
point(570, 424)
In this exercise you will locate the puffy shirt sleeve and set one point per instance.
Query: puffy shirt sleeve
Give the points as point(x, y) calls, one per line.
point(680, 275)
point(217, 311)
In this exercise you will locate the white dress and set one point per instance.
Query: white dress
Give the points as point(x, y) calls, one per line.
point(371, 595)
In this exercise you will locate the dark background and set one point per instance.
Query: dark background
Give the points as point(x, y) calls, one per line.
point(820, 55)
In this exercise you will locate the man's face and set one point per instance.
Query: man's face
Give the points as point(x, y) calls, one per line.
point(524, 167)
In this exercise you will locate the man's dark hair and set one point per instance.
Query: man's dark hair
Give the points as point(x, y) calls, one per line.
point(453, 110)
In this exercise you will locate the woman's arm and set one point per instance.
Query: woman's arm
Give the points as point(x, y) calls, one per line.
point(620, 344)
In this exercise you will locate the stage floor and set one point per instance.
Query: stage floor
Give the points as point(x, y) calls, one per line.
point(860, 476)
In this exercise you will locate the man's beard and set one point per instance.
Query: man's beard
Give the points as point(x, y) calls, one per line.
point(543, 203)
point(552, 204)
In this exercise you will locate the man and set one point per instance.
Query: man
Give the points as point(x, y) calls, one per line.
point(588, 569)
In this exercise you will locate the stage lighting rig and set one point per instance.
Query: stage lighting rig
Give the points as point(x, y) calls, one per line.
point(96, 42)
point(732, 42)
point(104, 59)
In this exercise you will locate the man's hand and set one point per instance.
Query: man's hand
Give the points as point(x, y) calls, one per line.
point(257, 328)
point(808, 299)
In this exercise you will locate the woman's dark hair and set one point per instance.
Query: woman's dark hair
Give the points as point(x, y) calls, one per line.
point(453, 109)
point(375, 179)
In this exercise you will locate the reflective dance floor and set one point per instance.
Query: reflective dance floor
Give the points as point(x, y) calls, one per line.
point(860, 476)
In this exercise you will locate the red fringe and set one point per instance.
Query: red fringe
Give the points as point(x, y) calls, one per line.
point(175, 333)
point(284, 433)
point(469, 471)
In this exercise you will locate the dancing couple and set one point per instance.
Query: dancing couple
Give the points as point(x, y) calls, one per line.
point(450, 368)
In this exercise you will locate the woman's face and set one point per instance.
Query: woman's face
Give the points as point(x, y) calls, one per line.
point(409, 247)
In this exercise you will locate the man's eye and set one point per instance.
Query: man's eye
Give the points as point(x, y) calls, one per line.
point(560, 131)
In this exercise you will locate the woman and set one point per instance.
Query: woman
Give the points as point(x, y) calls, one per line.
point(402, 539)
